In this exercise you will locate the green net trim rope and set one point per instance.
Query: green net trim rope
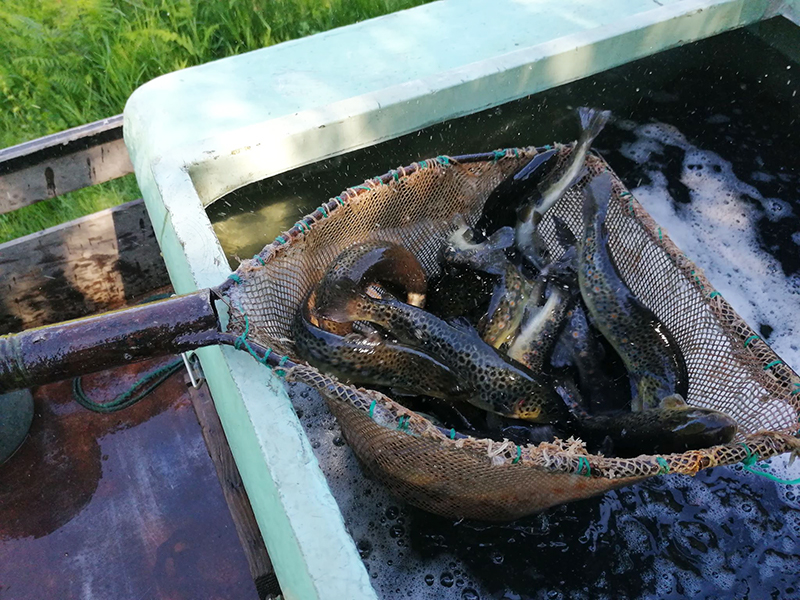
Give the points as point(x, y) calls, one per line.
point(134, 394)
point(752, 458)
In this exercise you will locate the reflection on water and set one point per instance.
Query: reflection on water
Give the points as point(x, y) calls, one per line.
point(707, 137)
point(121, 505)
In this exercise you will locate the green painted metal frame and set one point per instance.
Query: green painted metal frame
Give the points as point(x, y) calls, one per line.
point(196, 134)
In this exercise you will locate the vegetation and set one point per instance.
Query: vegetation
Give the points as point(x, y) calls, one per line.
point(70, 62)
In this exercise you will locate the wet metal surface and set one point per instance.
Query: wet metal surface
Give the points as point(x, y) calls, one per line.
point(125, 505)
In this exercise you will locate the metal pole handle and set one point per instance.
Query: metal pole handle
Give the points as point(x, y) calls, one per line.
point(96, 343)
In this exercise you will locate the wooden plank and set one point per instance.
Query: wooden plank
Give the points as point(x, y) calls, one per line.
point(61, 174)
point(233, 489)
point(61, 143)
point(96, 263)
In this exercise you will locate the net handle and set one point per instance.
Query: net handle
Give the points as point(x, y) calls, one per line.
point(64, 350)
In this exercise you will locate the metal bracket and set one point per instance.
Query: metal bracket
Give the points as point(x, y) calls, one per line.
point(196, 375)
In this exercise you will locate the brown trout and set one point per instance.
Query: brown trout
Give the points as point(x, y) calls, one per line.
point(493, 383)
point(672, 427)
point(512, 291)
point(553, 187)
point(370, 360)
point(648, 349)
point(364, 263)
point(521, 187)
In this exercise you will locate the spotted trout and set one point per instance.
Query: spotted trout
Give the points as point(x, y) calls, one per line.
point(602, 379)
point(540, 331)
point(521, 187)
point(494, 383)
point(371, 360)
point(553, 187)
point(672, 427)
point(648, 349)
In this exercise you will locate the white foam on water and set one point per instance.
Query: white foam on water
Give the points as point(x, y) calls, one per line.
point(375, 519)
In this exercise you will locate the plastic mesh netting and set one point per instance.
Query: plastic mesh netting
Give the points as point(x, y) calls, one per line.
point(730, 368)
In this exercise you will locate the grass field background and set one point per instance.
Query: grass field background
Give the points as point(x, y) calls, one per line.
point(69, 62)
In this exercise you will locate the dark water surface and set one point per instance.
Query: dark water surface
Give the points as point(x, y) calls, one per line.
point(708, 138)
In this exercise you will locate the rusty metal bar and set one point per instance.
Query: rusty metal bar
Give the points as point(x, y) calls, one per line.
point(64, 350)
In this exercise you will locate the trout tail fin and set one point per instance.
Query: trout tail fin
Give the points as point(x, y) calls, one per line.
point(592, 123)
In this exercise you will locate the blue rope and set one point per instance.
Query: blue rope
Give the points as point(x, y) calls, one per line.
point(235, 278)
point(584, 468)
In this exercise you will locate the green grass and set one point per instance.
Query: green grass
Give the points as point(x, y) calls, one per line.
point(69, 62)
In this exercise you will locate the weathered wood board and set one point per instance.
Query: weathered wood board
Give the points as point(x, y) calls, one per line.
point(233, 489)
point(62, 162)
point(96, 263)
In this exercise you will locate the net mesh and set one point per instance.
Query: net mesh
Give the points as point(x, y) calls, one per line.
point(730, 368)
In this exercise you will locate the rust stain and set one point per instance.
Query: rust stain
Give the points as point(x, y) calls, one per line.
point(119, 505)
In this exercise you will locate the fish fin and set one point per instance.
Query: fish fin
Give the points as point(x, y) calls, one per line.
point(397, 391)
point(568, 392)
point(463, 235)
point(367, 330)
point(501, 239)
point(673, 401)
point(592, 122)
point(606, 447)
point(563, 271)
point(534, 165)
point(525, 213)
point(497, 296)
point(460, 222)
point(463, 324)
point(564, 234)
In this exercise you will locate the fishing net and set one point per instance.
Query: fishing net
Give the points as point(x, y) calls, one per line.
point(730, 368)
